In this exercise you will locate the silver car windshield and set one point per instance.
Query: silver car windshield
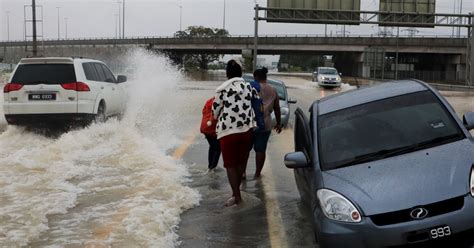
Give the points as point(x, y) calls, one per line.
point(384, 128)
point(327, 71)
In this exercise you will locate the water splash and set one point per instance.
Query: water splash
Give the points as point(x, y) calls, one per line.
point(108, 184)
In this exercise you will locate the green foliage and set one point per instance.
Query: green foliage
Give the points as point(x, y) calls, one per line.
point(219, 66)
point(201, 61)
point(248, 64)
point(298, 63)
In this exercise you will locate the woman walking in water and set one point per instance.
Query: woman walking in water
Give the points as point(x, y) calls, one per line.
point(232, 108)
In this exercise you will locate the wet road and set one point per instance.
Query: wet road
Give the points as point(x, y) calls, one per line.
point(142, 182)
point(272, 214)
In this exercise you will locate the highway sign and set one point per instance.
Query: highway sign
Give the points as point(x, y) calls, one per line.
point(322, 11)
point(407, 13)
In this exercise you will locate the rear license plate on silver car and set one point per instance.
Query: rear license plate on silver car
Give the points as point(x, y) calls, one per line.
point(440, 232)
point(42, 97)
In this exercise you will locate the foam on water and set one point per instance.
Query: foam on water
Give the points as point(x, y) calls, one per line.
point(3, 122)
point(108, 184)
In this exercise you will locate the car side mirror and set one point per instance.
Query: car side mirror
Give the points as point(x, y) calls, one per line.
point(340, 74)
point(468, 120)
point(121, 79)
point(292, 101)
point(296, 160)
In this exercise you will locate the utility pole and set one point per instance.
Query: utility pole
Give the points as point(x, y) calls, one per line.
point(223, 21)
point(470, 52)
point(255, 39)
point(396, 56)
point(65, 23)
point(8, 25)
point(117, 29)
point(35, 45)
point(460, 12)
point(123, 19)
point(59, 34)
point(454, 12)
point(119, 19)
point(180, 18)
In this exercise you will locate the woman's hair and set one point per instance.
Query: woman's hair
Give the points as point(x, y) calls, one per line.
point(260, 74)
point(233, 69)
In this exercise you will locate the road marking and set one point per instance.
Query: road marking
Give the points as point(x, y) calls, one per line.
point(102, 233)
point(276, 230)
point(322, 93)
point(181, 150)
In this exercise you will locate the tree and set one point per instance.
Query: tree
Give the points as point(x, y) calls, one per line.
point(201, 60)
point(300, 62)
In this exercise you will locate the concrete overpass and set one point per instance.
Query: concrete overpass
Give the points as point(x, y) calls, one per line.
point(267, 44)
point(441, 54)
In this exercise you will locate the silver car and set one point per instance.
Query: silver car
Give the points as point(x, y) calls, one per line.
point(327, 77)
point(285, 101)
point(387, 165)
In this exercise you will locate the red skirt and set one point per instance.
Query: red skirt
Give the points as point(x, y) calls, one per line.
point(236, 148)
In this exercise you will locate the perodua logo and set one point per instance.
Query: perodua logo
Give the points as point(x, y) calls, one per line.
point(418, 213)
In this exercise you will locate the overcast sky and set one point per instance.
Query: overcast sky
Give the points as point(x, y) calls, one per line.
point(86, 18)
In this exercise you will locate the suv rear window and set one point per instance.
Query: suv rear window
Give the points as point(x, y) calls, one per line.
point(44, 74)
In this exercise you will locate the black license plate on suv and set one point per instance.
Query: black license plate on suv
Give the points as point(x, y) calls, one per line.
point(42, 97)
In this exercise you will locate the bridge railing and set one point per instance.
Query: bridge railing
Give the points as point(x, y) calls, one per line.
point(243, 36)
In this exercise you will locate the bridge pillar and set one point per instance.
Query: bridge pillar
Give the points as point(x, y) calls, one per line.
point(455, 68)
point(349, 64)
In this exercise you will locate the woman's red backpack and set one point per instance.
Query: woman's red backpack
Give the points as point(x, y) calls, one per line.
point(207, 119)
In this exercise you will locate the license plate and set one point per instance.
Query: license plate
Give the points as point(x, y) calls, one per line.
point(42, 97)
point(440, 232)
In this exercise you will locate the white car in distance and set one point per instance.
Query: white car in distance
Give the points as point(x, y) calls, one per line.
point(327, 77)
point(63, 91)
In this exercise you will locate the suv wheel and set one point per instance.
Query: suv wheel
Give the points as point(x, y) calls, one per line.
point(100, 116)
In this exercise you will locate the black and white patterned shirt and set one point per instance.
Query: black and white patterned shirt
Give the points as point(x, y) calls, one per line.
point(233, 107)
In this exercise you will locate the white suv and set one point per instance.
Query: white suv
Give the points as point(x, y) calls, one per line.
point(63, 90)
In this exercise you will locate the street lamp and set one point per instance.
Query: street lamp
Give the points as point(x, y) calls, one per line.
point(8, 25)
point(59, 34)
point(223, 21)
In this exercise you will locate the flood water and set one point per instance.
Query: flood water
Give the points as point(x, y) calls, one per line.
point(120, 183)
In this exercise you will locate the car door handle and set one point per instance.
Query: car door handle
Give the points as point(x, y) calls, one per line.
point(113, 88)
point(102, 87)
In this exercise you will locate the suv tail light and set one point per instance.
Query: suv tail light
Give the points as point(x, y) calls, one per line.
point(77, 86)
point(12, 87)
